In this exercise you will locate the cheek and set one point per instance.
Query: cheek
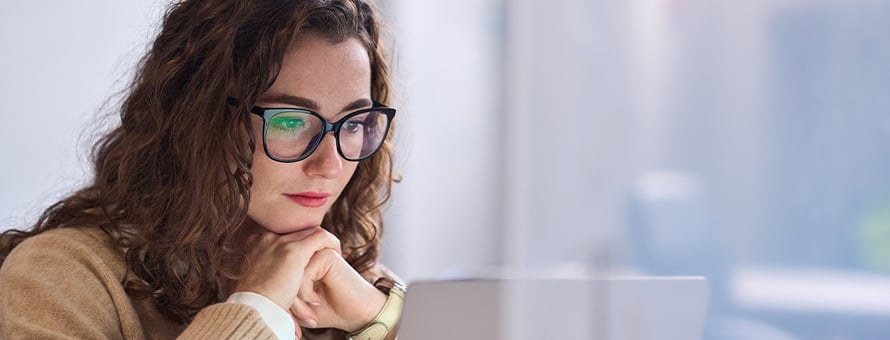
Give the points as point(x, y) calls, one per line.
point(261, 167)
point(260, 177)
point(264, 169)
point(348, 171)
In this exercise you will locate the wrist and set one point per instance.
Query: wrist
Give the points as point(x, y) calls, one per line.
point(374, 303)
point(385, 320)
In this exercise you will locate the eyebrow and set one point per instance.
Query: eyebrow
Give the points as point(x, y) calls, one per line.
point(312, 105)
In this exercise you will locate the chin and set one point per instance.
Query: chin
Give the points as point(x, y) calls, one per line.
point(293, 225)
point(285, 220)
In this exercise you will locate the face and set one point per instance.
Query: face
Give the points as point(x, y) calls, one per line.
point(332, 79)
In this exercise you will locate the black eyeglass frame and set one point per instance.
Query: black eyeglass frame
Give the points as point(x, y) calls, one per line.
point(267, 113)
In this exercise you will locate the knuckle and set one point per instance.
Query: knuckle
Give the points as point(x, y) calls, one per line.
point(334, 241)
point(331, 238)
point(294, 251)
point(320, 237)
point(328, 252)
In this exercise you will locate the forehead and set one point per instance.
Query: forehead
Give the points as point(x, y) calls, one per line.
point(330, 74)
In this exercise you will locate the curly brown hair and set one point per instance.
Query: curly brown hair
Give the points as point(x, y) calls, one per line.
point(172, 182)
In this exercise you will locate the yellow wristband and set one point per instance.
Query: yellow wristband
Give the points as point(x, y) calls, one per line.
point(386, 319)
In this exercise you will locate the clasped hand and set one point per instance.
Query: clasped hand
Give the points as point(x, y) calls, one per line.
point(305, 273)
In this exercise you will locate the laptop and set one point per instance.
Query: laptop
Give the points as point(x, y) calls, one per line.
point(632, 308)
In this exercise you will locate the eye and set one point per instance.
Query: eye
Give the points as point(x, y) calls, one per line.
point(286, 124)
point(354, 125)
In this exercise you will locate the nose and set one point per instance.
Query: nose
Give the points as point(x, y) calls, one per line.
point(324, 162)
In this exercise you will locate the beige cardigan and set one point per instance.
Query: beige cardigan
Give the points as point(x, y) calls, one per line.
point(67, 283)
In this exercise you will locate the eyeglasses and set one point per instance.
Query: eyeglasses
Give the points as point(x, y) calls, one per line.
point(291, 135)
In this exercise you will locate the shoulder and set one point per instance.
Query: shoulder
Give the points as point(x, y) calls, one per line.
point(83, 235)
point(59, 249)
point(65, 282)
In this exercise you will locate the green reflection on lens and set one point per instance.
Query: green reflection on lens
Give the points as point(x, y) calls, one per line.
point(286, 124)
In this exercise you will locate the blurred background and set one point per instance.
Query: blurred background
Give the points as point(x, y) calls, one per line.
point(744, 141)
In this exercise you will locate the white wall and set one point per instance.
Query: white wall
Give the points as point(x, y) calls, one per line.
point(60, 61)
point(445, 215)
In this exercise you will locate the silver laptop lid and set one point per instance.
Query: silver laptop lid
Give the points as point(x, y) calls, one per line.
point(635, 308)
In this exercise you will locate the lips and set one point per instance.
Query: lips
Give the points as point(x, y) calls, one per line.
point(309, 199)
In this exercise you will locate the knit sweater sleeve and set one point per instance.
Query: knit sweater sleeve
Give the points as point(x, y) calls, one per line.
point(228, 321)
point(67, 284)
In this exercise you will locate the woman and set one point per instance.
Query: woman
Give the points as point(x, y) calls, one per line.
point(241, 195)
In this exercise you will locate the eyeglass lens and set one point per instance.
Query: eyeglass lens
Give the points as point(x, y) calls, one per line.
point(294, 134)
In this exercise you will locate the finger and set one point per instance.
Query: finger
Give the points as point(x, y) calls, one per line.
point(298, 332)
point(323, 239)
point(321, 263)
point(344, 293)
point(314, 239)
point(304, 314)
point(308, 294)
